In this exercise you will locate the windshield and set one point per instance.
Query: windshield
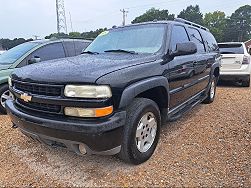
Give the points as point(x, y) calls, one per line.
point(138, 39)
point(12, 55)
point(231, 49)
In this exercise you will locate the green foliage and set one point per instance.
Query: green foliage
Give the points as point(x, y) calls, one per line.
point(193, 14)
point(154, 14)
point(216, 22)
point(92, 34)
point(57, 36)
point(7, 44)
point(75, 35)
point(239, 25)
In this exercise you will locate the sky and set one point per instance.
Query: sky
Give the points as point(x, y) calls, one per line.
point(26, 18)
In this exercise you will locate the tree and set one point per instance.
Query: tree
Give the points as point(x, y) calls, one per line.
point(57, 35)
point(193, 14)
point(75, 35)
point(239, 25)
point(216, 23)
point(7, 44)
point(154, 14)
point(92, 34)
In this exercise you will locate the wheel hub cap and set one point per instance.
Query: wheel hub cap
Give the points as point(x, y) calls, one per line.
point(212, 90)
point(146, 132)
point(5, 96)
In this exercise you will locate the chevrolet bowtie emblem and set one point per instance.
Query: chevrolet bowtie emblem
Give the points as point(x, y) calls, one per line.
point(25, 97)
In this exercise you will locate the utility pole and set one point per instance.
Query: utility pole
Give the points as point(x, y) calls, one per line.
point(124, 12)
point(35, 37)
point(61, 18)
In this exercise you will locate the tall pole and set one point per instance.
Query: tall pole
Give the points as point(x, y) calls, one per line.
point(124, 12)
point(61, 18)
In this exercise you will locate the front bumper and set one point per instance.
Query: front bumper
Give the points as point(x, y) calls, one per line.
point(98, 137)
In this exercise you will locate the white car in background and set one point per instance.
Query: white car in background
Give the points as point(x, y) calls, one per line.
point(235, 63)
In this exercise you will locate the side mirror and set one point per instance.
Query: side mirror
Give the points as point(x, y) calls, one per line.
point(34, 60)
point(186, 48)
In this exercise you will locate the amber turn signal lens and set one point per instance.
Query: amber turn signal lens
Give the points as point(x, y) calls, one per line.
point(101, 112)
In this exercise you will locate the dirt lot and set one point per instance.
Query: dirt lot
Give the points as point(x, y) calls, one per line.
point(210, 146)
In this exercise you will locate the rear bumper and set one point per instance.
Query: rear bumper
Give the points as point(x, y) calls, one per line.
point(242, 71)
point(98, 137)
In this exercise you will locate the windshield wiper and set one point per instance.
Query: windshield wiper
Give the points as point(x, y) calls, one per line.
point(90, 52)
point(123, 51)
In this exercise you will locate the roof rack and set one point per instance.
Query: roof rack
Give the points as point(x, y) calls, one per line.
point(181, 20)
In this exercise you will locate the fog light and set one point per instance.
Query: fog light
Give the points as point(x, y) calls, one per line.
point(82, 149)
point(88, 112)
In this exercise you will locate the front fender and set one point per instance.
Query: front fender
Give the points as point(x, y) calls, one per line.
point(4, 74)
point(139, 87)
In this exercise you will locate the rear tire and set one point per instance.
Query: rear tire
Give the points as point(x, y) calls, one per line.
point(141, 132)
point(212, 91)
point(4, 95)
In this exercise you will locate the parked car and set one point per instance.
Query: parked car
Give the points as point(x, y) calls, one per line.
point(235, 63)
point(34, 52)
point(114, 98)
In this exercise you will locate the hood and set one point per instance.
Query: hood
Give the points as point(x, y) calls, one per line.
point(4, 66)
point(85, 68)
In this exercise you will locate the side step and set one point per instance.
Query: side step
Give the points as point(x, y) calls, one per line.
point(186, 107)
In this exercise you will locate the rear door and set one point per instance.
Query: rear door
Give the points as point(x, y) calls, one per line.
point(232, 55)
point(201, 68)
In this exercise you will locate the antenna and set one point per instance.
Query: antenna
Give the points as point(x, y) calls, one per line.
point(61, 18)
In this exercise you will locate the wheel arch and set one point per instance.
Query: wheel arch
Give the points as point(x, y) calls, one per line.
point(156, 89)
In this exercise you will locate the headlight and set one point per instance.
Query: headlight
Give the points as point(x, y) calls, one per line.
point(10, 81)
point(87, 91)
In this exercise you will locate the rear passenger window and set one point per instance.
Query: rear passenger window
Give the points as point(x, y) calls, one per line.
point(50, 52)
point(179, 35)
point(196, 38)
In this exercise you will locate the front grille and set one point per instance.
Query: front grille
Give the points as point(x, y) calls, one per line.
point(39, 106)
point(38, 89)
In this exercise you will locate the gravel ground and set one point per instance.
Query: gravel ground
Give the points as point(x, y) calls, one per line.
point(210, 146)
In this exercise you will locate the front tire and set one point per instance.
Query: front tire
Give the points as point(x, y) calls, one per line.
point(212, 91)
point(141, 132)
point(4, 96)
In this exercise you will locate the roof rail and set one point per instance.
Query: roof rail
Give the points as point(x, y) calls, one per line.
point(181, 20)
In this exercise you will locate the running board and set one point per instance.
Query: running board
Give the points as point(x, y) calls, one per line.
point(185, 107)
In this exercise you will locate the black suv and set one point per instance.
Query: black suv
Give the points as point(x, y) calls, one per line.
point(114, 98)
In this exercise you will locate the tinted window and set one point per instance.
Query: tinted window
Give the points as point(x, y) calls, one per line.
point(210, 41)
point(179, 35)
point(74, 48)
point(196, 38)
point(49, 52)
point(15, 53)
point(231, 48)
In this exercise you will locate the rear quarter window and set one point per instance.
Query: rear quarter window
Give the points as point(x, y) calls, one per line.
point(210, 42)
point(75, 48)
